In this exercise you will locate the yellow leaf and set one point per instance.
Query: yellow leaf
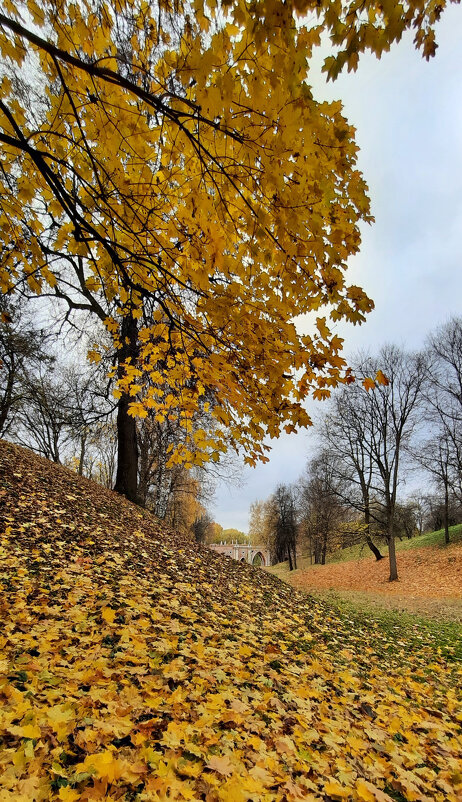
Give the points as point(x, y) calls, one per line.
point(25, 731)
point(369, 793)
point(36, 12)
point(68, 795)
point(104, 764)
point(30, 731)
point(322, 327)
point(363, 792)
point(137, 410)
point(108, 614)
point(94, 356)
point(333, 788)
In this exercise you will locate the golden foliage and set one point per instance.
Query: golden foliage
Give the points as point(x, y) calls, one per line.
point(177, 153)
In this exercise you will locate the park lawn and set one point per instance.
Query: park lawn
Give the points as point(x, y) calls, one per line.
point(138, 666)
point(430, 576)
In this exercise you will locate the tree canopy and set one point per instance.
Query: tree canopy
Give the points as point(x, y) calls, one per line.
point(166, 167)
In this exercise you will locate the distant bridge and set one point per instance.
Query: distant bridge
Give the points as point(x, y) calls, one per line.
point(254, 555)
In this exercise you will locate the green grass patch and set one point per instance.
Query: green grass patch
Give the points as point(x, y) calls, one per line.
point(431, 539)
point(395, 628)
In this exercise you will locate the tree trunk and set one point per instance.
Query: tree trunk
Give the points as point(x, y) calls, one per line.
point(374, 548)
point(317, 552)
point(446, 513)
point(56, 457)
point(83, 438)
point(6, 400)
point(295, 556)
point(392, 552)
point(367, 520)
point(127, 446)
point(291, 568)
point(143, 482)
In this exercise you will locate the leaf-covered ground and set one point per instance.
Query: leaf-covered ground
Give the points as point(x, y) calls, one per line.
point(432, 572)
point(430, 580)
point(137, 666)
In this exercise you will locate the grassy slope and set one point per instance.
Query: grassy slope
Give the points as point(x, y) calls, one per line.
point(137, 666)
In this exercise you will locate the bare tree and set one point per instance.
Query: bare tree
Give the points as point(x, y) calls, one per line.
point(44, 422)
point(23, 349)
point(436, 457)
point(101, 453)
point(321, 510)
point(89, 413)
point(443, 452)
point(420, 503)
point(62, 410)
point(367, 432)
point(391, 415)
point(344, 433)
point(436, 513)
point(282, 523)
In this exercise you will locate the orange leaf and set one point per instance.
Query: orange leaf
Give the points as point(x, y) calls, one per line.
point(368, 384)
point(381, 378)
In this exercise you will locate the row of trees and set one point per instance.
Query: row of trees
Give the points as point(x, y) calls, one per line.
point(372, 440)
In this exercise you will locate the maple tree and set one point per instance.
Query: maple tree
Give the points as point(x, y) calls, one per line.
point(167, 168)
point(135, 665)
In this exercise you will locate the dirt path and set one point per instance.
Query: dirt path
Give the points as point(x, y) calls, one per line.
point(430, 581)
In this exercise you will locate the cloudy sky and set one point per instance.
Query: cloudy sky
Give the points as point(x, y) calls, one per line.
point(408, 116)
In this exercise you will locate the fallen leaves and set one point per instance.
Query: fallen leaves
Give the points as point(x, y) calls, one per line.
point(222, 765)
point(136, 666)
point(426, 573)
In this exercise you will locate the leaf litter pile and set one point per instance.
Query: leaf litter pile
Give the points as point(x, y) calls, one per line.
point(135, 665)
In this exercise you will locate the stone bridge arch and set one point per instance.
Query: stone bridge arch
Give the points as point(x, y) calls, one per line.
point(258, 556)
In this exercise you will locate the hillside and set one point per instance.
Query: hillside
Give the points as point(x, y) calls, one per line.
point(137, 666)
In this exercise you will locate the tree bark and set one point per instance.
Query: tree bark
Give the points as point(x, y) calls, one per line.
point(127, 446)
point(6, 400)
point(144, 472)
point(324, 549)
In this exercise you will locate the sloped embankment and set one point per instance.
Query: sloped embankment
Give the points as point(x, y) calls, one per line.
point(137, 666)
